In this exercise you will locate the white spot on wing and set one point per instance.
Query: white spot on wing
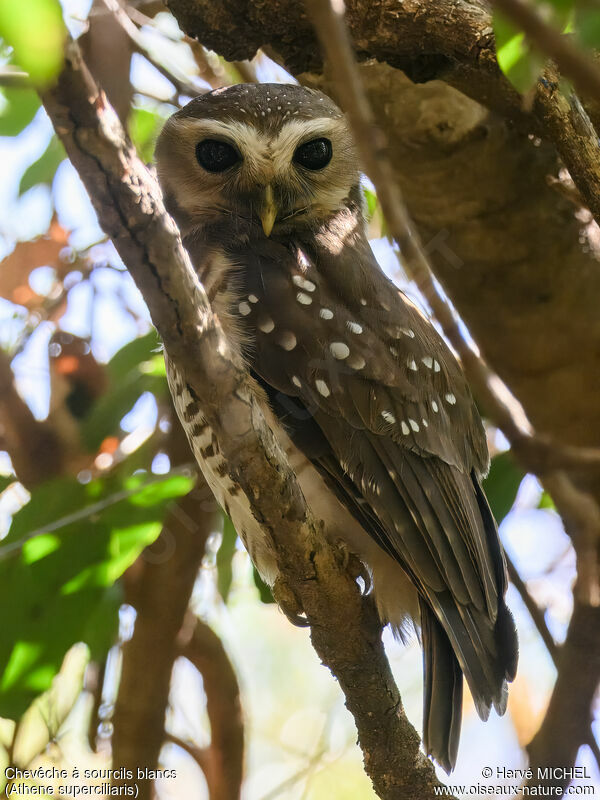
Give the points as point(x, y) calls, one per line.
point(339, 350)
point(266, 325)
point(428, 361)
point(405, 428)
point(389, 417)
point(322, 387)
point(356, 362)
point(303, 298)
point(414, 425)
point(450, 398)
point(436, 366)
point(326, 313)
point(244, 309)
point(287, 340)
point(296, 381)
point(354, 327)
point(253, 298)
point(410, 363)
point(303, 283)
point(434, 405)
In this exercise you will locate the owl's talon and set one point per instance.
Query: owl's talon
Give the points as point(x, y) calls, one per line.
point(288, 603)
point(357, 569)
point(352, 564)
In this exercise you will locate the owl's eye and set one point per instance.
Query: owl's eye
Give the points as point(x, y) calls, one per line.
point(216, 156)
point(314, 155)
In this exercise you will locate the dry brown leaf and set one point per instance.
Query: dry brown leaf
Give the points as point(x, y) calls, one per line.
point(16, 268)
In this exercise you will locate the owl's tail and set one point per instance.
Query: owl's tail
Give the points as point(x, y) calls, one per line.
point(442, 692)
point(457, 640)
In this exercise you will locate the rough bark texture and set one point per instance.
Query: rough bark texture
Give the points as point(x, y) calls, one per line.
point(344, 627)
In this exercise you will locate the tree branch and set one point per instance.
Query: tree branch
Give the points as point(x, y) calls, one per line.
point(345, 629)
point(159, 589)
point(223, 760)
point(35, 449)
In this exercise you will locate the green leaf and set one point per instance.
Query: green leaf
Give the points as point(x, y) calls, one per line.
point(502, 484)
point(19, 107)
point(6, 481)
point(546, 502)
point(43, 170)
point(44, 717)
point(587, 25)
point(225, 555)
point(264, 592)
point(58, 566)
point(371, 202)
point(144, 127)
point(135, 369)
point(36, 32)
point(521, 65)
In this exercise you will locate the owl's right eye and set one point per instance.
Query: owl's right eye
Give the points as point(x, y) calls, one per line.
point(216, 156)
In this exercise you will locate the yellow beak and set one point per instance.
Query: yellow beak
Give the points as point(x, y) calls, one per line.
point(269, 211)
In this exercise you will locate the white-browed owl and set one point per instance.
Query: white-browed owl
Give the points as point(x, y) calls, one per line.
point(366, 398)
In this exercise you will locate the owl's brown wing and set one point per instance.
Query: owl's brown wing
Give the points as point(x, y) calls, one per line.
point(400, 440)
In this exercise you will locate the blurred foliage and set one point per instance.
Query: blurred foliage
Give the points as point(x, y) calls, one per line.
point(58, 565)
point(502, 484)
point(36, 32)
point(18, 107)
point(144, 126)
point(135, 369)
point(523, 64)
point(44, 169)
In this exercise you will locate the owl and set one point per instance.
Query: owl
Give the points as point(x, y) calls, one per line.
point(365, 397)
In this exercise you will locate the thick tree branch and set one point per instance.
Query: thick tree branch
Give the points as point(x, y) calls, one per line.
point(159, 590)
point(566, 725)
point(566, 122)
point(344, 626)
point(537, 615)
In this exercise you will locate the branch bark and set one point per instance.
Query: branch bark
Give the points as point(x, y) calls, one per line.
point(223, 760)
point(160, 594)
point(35, 449)
point(344, 626)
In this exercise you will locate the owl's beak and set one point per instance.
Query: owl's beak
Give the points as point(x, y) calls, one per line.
point(269, 211)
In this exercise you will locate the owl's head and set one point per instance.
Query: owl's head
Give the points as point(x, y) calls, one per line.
point(268, 157)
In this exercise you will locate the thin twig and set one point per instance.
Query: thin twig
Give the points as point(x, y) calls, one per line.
point(182, 86)
point(537, 615)
point(535, 612)
point(578, 510)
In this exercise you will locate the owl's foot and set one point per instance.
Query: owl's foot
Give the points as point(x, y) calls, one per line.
point(353, 565)
point(288, 603)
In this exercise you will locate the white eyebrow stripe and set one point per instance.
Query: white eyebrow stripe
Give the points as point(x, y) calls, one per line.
point(292, 132)
point(253, 145)
point(268, 153)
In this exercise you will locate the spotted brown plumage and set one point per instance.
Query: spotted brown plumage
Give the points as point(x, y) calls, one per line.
point(364, 395)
